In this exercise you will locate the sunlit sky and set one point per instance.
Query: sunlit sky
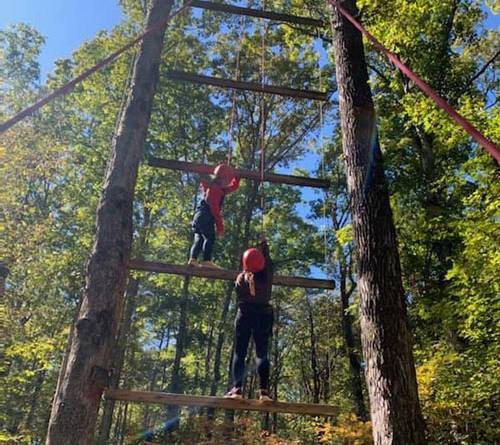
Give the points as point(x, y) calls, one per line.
point(66, 24)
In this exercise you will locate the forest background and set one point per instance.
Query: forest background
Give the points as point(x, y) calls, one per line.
point(176, 335)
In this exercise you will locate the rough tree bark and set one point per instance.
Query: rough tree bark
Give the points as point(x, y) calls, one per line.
point(75, 406)
point(390, 370)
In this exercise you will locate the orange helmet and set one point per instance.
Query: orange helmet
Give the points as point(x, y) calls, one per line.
point(253, 260)
point(224, 172)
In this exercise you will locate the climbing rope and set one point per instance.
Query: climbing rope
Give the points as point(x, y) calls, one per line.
point(489, 145)
point(322, 150)
point(328, 299)
point(262, 127)
point(235, 94)
point(67, 87)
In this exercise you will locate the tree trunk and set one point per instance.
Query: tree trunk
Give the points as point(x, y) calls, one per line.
point(390, 371)
point(109, 405)
point(4, 272)
point(313, 354)
point(350, 347)
point(176, 383)
point(75, 407)
point(222, 331)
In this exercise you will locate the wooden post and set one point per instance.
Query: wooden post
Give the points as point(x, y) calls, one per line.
point(390, 370)
point(242, 173)
point(225, 274)
point(270, 15)
point(76, 404)
point(247, 86)
point(165, 398)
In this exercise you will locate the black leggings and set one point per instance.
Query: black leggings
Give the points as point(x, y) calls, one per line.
point(204, 235)
point(257, 322)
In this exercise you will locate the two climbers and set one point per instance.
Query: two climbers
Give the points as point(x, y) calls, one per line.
point(254, 317)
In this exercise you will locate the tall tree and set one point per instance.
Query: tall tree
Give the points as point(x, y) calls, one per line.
point(76, 404)
point(386, 338)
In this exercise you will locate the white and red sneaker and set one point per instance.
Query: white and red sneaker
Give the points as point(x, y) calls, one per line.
point(264, 396)
point(234, 393)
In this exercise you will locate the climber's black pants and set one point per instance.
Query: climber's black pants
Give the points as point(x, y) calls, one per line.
point(204, 234)
point(255, 321)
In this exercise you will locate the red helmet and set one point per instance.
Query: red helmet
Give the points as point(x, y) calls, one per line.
point(224, 172)
point(253, 260)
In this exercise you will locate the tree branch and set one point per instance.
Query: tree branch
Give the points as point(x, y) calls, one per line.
point(480, 72)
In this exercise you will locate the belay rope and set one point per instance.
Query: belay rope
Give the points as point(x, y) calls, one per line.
point(235, 97)
point(262, 127)
point(324, 225)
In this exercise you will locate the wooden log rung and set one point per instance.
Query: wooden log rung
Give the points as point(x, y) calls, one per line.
point(270, 15)
point(225, 274)
point(242, 173)
point(124, 395)
point(248, 86)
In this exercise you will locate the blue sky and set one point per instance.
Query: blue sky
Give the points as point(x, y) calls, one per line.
point(66, 24)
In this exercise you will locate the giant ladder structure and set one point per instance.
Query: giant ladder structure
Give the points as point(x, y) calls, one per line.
point(224, 274)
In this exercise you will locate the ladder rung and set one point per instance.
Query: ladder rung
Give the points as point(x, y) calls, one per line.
point(280, 17)
point(242, 173)
point(248, 86)
point(219, 402)
point(225, 274)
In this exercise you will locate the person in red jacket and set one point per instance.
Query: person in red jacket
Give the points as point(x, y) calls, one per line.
point(207, 219)
point(254, 318)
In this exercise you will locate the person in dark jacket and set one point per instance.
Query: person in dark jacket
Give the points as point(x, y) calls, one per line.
point(254, 318)
point(207, 219)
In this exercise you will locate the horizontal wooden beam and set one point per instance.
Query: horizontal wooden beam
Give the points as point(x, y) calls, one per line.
point(248, 86)
point(242, 173)
point(225, 274)
point(279, 17)
point(219, 402)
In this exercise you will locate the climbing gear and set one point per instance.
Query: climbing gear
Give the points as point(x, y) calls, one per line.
point(253, 260)
point(234, 111)
point(262, 111)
